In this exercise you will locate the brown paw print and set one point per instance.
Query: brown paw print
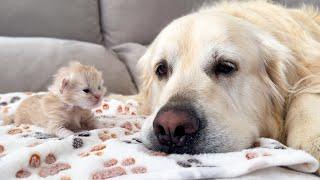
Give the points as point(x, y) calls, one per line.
point(50, 159)
point(139, 170)
point(14, 131)
point(34, 144)
point(84, 154)
point(266, 154)
point(157, 153)
point(251, 155)
point(53, 169)
point(119, 109)
point(99, 153)
point(113, 136)
point(1, 149)
point(127, 125)
point(105, 106)
point(65, 178)
point(99, 111)
point(103, 136)
point(110, 162)
point(98, 147)
point(126, 109)
point(108, 173)
point(23, 173)
point(128, 161)
point(35, 161)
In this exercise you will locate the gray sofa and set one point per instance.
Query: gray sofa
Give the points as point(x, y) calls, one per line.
point(39, 36)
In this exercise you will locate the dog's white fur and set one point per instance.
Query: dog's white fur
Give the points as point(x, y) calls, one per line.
point(274, 92)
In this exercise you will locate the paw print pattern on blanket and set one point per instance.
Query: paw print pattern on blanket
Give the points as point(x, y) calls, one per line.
point(15, 131)
point(22, 173)
point(112, 169)
point(114, 108)
point(9, 102)
point(35, 161)
point(50, 159)
point(53, 169)
point(116, 151)
point(1, 149)
point(50, 168)
point(110, 162)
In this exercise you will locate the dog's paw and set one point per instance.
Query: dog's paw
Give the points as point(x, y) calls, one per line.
point(312, 146)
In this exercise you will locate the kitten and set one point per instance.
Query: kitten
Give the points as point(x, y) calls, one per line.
point(76, 90)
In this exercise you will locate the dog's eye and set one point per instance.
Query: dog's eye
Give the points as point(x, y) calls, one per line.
point(162, 69)
point(225, 68)
point(86, 90)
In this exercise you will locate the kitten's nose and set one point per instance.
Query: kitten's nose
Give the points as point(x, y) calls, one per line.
point(97, 96)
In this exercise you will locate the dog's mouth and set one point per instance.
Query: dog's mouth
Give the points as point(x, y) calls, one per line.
point(180, 128)
point(186, 148)
point(204, 141)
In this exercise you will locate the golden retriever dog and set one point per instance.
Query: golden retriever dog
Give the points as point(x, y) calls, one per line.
point(219, 78)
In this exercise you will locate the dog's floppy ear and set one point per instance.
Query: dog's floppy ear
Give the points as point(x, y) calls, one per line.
point(146, 77)
point(280, 67)
point(278, 60)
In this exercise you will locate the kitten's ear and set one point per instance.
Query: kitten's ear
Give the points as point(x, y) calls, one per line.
point(64, 84)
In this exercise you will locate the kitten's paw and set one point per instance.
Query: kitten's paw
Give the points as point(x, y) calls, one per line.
point(99, 124)
point(63, 133)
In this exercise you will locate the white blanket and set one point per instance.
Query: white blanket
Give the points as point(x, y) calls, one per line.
point(29, 152)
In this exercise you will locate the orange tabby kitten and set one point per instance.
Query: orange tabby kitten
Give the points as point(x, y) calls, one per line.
point(76, 89)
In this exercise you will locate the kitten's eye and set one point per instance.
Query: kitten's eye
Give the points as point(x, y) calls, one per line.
point(162, 70)
point(86, 90)
point(225, 68)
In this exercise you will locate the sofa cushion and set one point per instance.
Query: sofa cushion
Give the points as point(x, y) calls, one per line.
point(140, 20)
point(27, 64)
point(69, 19)
point(298, 3)
point(130, 53)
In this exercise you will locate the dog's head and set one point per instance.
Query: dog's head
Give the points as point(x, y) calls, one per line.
point(212, 83)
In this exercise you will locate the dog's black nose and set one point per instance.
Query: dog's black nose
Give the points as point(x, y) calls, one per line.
point(173, 126)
